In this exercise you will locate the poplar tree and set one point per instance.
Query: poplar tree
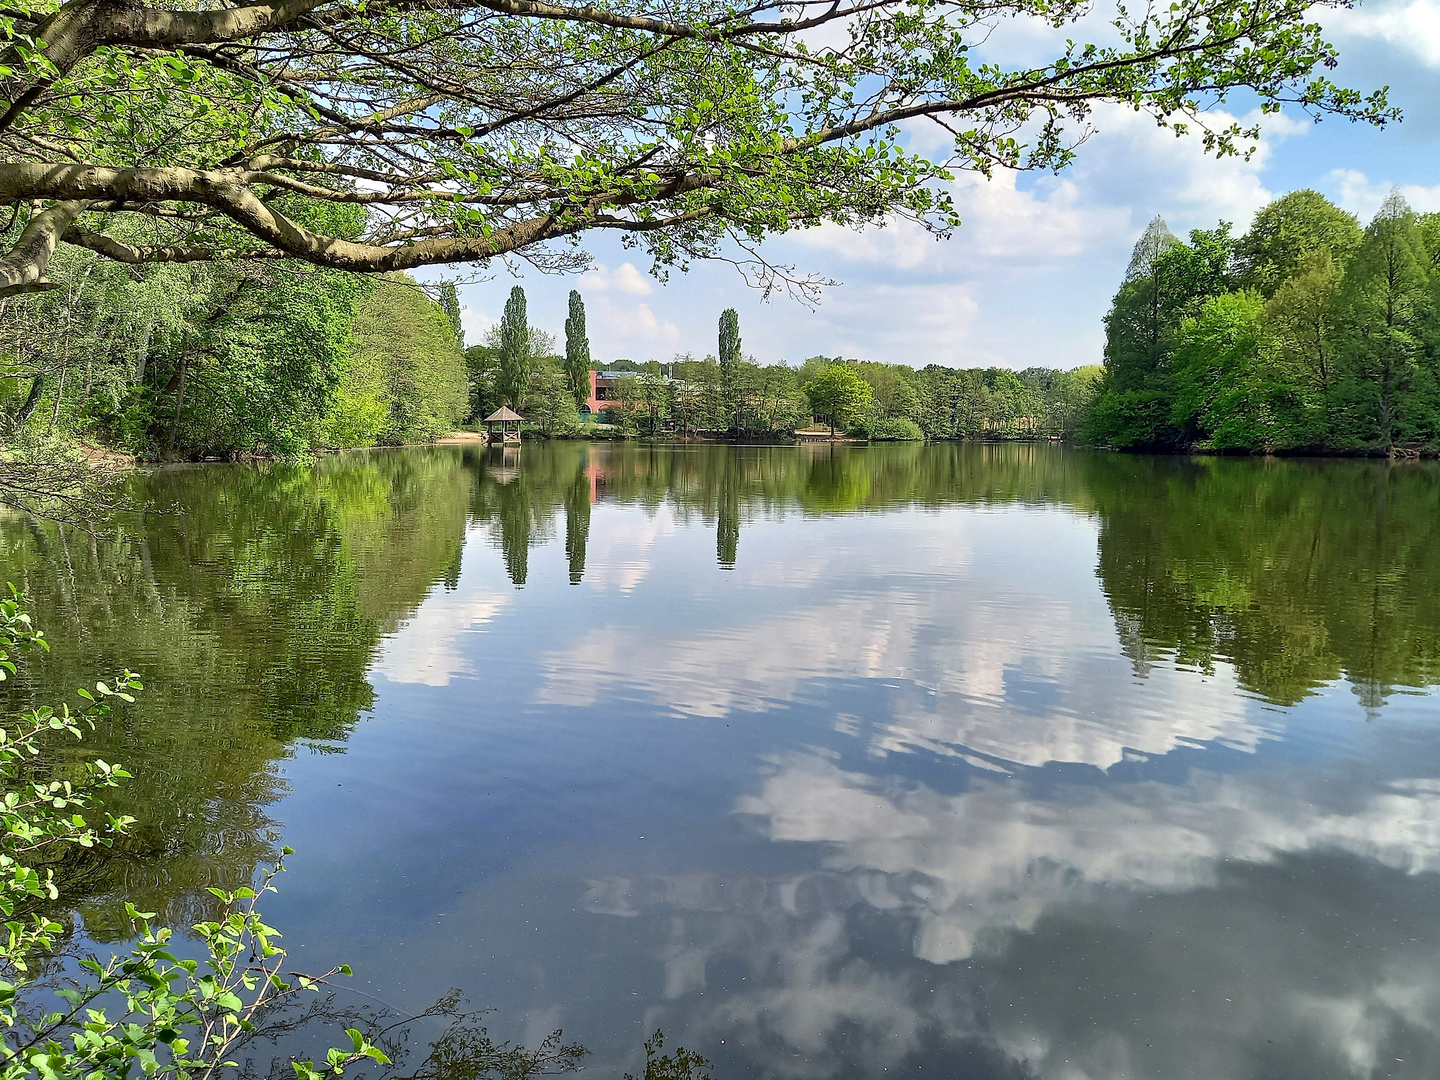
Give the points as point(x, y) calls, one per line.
point(577, 350)
point(515, 352)
point(450, 304)
point(729, 365)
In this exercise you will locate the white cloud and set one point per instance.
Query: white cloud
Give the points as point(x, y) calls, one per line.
point(1102, 888)
point(430, 647)
point(1020, 690)
point(1362, 196)
point(1128, 172)
point(476, 324)
point(994, 856)
point(1004, 228)
point(617, 327)
point(622, 547)
point(624, 278)
point(1413, 26)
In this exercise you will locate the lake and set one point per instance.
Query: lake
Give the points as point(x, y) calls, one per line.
point(829, 761)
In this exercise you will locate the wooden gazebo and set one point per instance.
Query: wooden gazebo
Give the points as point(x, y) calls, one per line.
point(509, 423)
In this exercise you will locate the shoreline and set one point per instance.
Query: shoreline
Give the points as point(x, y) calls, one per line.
point(105, 458)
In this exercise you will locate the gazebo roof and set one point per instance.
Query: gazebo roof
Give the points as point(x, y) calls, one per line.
point(500, 414)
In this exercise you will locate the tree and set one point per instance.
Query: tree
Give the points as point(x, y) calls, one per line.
point(1300, 317)
point(894, 390)
point(577, 523)
point(624, 401)
point(1381, 315)
point(515, 352)
point(1429, 225)
point(552, 407)
point(729, 355)
point(239, 131)
point(1287, 231)
point(1134, 328)
point(577, 350)
point(685, 393)
point(450, 304)
point(482, 369)
point(838, 393)
point(405, 372)
point(651, 392)
point(1229, 392)
point(1167, 281)
point(181, 360)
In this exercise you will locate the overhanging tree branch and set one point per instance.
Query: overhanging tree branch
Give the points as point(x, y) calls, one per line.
point(416, 132)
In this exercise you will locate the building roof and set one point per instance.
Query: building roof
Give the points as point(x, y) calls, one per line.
point(613, 375)
point(502, 413)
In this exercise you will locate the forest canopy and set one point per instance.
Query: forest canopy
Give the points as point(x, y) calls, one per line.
point(1308, 333)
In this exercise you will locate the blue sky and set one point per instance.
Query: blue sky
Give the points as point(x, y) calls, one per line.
point(1028, 277)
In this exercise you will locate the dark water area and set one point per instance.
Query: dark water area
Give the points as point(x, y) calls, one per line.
point(949, 761)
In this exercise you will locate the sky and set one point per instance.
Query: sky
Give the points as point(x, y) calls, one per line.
point(1028, 277)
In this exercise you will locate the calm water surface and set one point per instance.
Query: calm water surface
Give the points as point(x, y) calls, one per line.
point(845, 763)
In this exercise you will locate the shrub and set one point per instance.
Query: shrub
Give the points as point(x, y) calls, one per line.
point(897, 429)
point(172, 1017)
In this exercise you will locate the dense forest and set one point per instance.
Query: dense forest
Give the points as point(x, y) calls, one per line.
point(224, 359)
point(1307, 333)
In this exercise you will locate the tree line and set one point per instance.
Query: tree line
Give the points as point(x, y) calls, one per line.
point(1307, 333)
point(730, 393)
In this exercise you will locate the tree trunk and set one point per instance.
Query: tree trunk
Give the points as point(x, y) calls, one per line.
point(59, 397)
point(142, 352)
point(178, 382)
point(31, 400)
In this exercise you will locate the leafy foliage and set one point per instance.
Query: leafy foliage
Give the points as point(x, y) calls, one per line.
point(266, 359)
point(838, 393)
point(406, 379)
point(515, 353)
point(210, 134)
point(150, 1008)
point(1288, 231)
point(1338, 351)
point(450, 304)
point(881, 429)
point(577, 350)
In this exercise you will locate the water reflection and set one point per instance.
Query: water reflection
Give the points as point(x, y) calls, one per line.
point(255, 614)
point(1296, 572)
point(958, 761)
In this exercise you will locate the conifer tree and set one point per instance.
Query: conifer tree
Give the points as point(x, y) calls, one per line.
point(1133, 329)
point(1382, 313)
